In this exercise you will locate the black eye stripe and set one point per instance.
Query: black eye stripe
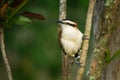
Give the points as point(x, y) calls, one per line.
point(71, 24)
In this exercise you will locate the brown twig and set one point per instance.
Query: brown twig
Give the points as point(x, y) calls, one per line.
point(86, 41)
point(2, 44)
point(65, 61)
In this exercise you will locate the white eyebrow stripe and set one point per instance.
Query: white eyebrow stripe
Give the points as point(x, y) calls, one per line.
point(66, 21)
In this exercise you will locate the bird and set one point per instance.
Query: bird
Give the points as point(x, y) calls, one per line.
point(70, 38)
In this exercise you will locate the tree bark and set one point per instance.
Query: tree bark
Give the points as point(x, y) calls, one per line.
point(106, 37)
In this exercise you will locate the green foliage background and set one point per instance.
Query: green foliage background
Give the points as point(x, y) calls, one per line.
point(33, 49)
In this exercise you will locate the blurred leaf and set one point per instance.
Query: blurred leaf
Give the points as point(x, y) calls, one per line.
point(107, 54)
point(0, 2)
point(15, 3)
point(22, 20)
point(33, 15)
point(16, 10)
point(115, 56)
point(10, 1)
point(4, 10)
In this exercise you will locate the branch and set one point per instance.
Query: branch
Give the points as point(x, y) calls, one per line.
point(65, 62)
point(86, 41)
point(2, 44)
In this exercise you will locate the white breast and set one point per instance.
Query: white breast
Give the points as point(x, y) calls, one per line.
point(71, 40)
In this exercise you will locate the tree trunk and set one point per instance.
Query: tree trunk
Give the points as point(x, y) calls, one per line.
point(106, 35)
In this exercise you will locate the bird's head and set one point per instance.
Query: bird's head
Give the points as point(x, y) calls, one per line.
point(67, 22)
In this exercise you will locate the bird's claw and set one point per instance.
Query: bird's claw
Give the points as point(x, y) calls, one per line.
point(76, 59)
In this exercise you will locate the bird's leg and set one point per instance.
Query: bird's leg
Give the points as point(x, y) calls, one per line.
point(77, 61)
point(77, 58)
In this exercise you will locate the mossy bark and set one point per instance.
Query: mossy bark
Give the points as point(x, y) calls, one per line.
point(106, 36)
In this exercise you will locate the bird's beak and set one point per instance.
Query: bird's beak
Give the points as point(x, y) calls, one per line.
point(59, 21)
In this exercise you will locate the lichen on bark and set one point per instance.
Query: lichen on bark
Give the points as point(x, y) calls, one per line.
point(106, 36)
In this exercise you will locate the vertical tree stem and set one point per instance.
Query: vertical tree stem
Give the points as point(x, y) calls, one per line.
point(65, 61)
point(62, 8)
point(86, 41)
point(2, 44)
